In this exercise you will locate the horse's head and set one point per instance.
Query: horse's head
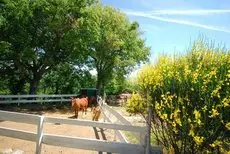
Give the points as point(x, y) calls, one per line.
point(92, 100)
point(72, 101)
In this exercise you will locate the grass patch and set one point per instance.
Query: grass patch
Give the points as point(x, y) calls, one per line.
point(130, 137)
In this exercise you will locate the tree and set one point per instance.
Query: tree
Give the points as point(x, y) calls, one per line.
point(40, 35)
point(120, 84)
point(113, 43)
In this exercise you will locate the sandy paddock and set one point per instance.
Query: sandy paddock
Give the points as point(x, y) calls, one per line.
point(58, 129)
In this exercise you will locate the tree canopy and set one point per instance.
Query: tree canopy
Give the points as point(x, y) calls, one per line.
point(37, 35)
point(113, 43)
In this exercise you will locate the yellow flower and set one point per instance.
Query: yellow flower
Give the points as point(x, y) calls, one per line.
point(198, 140)
point(215, 143)
point(157, 106)
point(226, 102)
point(228, 125)
point(176, 112)
point(175, 130)
point(164, 116)
point(173, 124)
point(214, 113)
point(204, 108)
point(199, 122)
point(178, 121)
point(197, 114)
point(191, 131)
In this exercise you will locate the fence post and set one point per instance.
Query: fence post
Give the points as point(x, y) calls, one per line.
point(41, 98)
point(148, 127)
point(19, 101)
point(142, 139)
point(39, 135)
point(102, 109)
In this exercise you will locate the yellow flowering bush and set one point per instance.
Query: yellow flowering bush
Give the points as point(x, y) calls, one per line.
point(136, 104)
point(190, 99)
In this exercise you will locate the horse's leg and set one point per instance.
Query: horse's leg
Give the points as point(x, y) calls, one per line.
point(82, 115)
point(76, 113)
point(93, 117)
point(98, 115)
point(85, 111)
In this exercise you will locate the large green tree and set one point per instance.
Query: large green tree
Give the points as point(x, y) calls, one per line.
point(114, 44)
point(37, 35)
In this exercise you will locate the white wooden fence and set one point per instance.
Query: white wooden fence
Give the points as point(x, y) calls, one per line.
point(7, 99)
point(76, 142)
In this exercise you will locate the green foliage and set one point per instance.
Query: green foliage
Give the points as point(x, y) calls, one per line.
point(190, 99)
point(40, 34)
point(112, 41)
point(3, 86)
point(115, 86)
point(66, 79)
point(119, 84)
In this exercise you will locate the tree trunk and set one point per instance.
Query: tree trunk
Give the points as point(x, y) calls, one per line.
point(34, 83)
point(100, 84)
point(33, 86)
point(56, 87)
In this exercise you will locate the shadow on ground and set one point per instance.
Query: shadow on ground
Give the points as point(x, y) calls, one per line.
point(96, 132)
point(38, 108)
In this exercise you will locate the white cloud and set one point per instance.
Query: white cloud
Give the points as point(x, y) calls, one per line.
point(183, 22)
point(189, 12)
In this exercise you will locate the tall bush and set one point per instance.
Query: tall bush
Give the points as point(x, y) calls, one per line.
point(190, 99)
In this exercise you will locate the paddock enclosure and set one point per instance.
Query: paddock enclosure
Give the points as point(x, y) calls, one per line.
point(46, 132)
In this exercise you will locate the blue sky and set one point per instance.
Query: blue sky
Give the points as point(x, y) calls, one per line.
point(170, 26)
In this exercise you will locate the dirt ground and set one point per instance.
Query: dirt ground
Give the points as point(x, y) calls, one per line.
point(52, 110)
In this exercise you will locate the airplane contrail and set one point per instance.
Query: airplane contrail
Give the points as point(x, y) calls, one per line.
point(189, 12)
point(183, 22)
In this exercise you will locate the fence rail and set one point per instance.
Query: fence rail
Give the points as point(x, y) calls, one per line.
point(139, 136)
point(37, 96)
point(19, 117)
point(94, 124)
point(20, 134)
point(92, 144)
point(8, 99)
point(73, 142)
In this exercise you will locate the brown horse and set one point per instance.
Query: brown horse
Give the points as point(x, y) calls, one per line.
point(96, 109)
point(96, 113)
point(78, 104)
point(81, 103)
